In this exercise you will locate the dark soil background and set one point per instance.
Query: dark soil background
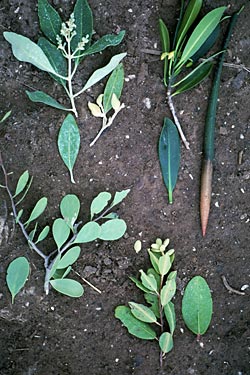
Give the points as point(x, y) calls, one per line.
point(47, 335)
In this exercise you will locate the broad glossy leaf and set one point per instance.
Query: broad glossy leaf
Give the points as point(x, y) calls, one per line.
point(166, 342)
point(37, 210)
point(99, 203)
point(50, 21)
point(70, 207)
point(152, 299)
point(44, 233)
point(139, 284)
point(197, 305)
point(4, 118)
point(25, 50)
point(119, 196)
point(200, 34)
point(69, 143)
point(83, 22)
point(22, 182)
point(17, 274)
point(54, 265)
point(134, 326)
point(60, 231)
point(113, 230)
point(170, 316)
point(42, 97)
point(154, 260)
point(190, 15)
point(168, 291)
point(104, 42)
point(99, 74)
point(207, 45)
point(169, 155)
point(89, 232)
point(194, 78)
point(165, 43)
point(56, 59)
point(142, 312)
point(114, 86)
point(70, 257)
point(149, 281)
point(164, 264)
point(68, 287)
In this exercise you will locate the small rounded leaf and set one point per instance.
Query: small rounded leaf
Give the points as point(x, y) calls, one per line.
point(166, 342)
point(142, 312)
point(113, 230)
point(70, 257)
point(68, 287)
point(17, 274)
point(95, 110)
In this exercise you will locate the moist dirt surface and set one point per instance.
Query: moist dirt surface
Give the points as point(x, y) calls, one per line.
point(58, 335)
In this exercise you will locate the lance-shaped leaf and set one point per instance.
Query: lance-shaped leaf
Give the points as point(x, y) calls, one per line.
point(134, 326)
point(165, 43)
point(50, 21)
point(142, 312)
point(7, 114)
point(32, 233)
point(69, 143)
point(101, 44)
point(113, 230)
point(152, 272)
point(154, 261)
point(70, 207)
point(84, 24)
point(114, 86)
point(119, 196)
point(89, 232)
point(56, 59)
point(139, 284)
point(207, 45)
point(197, 305)
point(68, 287)
point(168, 291)
point(37, 210)
point(169, 155)
point(25, 50)
point(99, 203)
point(149, 281)
point(17, 274)
point(60, 231)
point(69, 258)
point(53, 266)
point(44, 233)
point(166, 342)
point(164, 264)
point(170, 316)
point(42, 97)
point(22, 182)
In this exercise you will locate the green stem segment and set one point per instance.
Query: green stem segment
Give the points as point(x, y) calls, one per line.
point(208, 155)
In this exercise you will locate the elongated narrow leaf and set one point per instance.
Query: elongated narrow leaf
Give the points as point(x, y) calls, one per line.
point(25, 50)
point(37, 210)
point(104, 42)
point(89, 232)
point(197, 305)
point(84, 24)
point(22, 182)
point(44, 233)
point(152, 299)
point(70, 207)
point(148, 281)
point(166, 342)
point(99, 203)
point(50, 21)
point(164, 264)
point(169, 155)
point(68, 287)
point(134, 326)
point(70, 257)
point(32, 233)
point(17, 274)
point(165, 43)
point(19, 215)
point(139, 284)
point(168, 291)
point(170, 316)
point(200, 34)
point(99, 74)
point(157, 277)
point(113, 86)
point(42, 97)
point(4, 118)
point(112, 230)
point(56, 59)
point(119, 196)
point(60, 231)
point(207, 45)
point(142, 312)
point(53, 265)
point(154, 261)
point(69, 143)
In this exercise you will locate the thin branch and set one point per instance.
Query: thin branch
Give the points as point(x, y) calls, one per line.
point(228, 287)
point(87, 282)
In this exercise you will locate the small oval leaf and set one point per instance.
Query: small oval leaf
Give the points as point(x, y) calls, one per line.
point(44, 233)
point(112, 230)
point(168, 291)
point(166, 342)
point(99, 203)
point(170, 316)
point(164, 264)
point(17, 274)
point(37, 210)
point(60, 231)
point(70, 257)
point(142, 312)
point(70, 207)
point(89, 232)
point(68, 287)
point(114, 85)
point(22, 182)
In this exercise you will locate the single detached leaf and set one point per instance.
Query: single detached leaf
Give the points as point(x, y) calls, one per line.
point(166, 342)
point(37, 210)
point(119, 197)
point(70, 257)
point(44, 233)
point(60, 231)
point(42, 97)
point(149, 281)
point(170, 316)
point(99, 203)
point(134, 326)
point(69, 143)
point(142, 312)
point(152, 299)
point(169, 155)
point(114, 86)
point(165, 43)
point(26, 50)
point(168, 291)
point(17, 274)
point(70, 207)
point(99, 74)
point(22, 182)
point(68, 287)
point(197, 305)
point(104, 42)
point(50, 21)
point(164, 264)
point(4, 118)
point(113, 230)
point(190, 15)
point(89, 232)
point(84, 24)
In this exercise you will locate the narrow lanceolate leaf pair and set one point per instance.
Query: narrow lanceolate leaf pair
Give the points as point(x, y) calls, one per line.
point(62, 48)
point(159, 287)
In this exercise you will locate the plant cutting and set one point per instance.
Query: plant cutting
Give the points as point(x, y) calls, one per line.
point(67, 232)
point(62, 48)
point(159, 287)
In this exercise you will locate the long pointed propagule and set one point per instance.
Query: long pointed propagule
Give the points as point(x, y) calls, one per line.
point(208, 155)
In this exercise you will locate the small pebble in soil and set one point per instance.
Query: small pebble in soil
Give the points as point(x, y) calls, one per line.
point(147, 103)
point(244, 287)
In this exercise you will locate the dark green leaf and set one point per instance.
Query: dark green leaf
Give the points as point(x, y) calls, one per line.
point(99, 203)
point(166, 342)
point(41, 97)
point(37, 210)
point(169, 155)
point(142, 312)
point(113, 86)
point(207, 45)
point(68, 287)
point(89, 232)
point(170, 316)
point(134, 326)
point(197, 305)
point(22, 182)
point(69, 143)
point(17, 274)
point(104, 42)
point(70, 257)
point(165, 42)
point(50, 21)
point(152, 299)
point(70, 207)
point(113, 230)
point(60, 231)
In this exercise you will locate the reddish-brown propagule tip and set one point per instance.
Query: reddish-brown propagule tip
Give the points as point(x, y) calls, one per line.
point(206, 191)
